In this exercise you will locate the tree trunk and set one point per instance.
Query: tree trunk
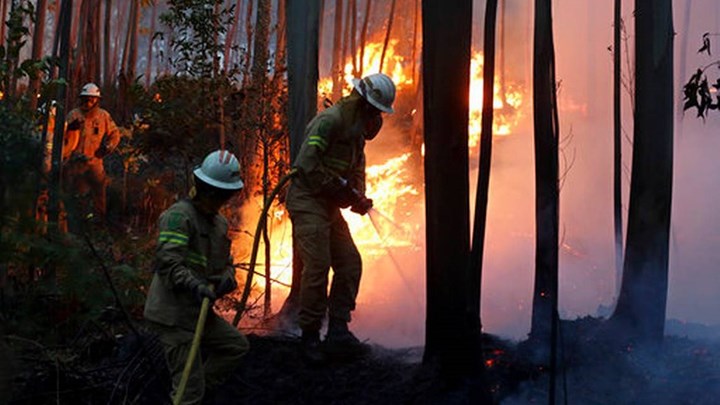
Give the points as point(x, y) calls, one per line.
point(387, 34)
point(151, 36)
point(483, 182)
point(3, 13)
point(642, 302)
point(353, 35)
point(617, 145)
point(336, 69)
point(446, 69)
point(249, 41)
point(108, 80)
point(545, 118)
point(303, 26)
point(54, 192)
point(37, 49)
point(230, 37)
point(363, 35)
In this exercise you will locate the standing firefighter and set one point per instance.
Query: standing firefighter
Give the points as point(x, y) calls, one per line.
point(331, 175)
point(91, 135)
point(193, 255)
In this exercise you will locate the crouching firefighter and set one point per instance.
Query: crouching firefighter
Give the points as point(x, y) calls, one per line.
point(193, 255)
point(330, 176)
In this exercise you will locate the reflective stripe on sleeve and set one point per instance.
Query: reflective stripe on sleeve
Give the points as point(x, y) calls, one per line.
point(173, 237)
point(197, 258)
point(317, 140)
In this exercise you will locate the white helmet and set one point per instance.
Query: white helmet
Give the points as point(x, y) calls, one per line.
point(220, 169)
point(90, 90)
point(378, 89)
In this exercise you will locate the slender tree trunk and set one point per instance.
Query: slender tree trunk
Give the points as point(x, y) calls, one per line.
point(230, 37)
point(683, 58)
point(353, 35)
point(642, 303)
point(249, 38)
point(545, 118)
point(122, 16)
point(363, 35)
point(107, 29)
point(414, 44)
point(483, 182)
point(133, 48)
point(3, 14)
point(387, 34)
point(37, 49)
point(446, 69)
point(303, 26)
point(151, 36)
point(65, 24)
point(617, 145)
point(336, 70)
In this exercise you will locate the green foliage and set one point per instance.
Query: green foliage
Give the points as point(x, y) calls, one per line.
point(17, 31)
point(697, 91)
point(180, 119)
point(55, 284)
point(197, 25)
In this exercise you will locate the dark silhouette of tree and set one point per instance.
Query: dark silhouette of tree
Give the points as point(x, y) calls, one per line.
point(643, 296)
point(446, 71)
point(302, 28)
point(617, 143)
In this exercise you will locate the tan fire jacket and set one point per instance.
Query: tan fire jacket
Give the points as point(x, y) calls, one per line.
point(98, 128)
point(334, 146)
point(190, 248)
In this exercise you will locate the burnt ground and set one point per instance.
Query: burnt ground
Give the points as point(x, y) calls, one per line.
point(102, 369)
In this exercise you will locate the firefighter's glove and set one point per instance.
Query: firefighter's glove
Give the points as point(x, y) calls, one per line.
point(339, 191)
point(75, 125)
point(224, 283)
point(202, 291)
point(102, 151)
point(362, 205)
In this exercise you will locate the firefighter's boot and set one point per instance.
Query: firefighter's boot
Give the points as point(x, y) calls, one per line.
point(311, 348)
point(340, 342)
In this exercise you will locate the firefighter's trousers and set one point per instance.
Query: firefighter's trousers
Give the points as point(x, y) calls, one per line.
point(324, 241)
point(89, 177)
point(221, 348)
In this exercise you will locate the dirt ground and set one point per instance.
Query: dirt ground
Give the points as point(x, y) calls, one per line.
point(592, 370)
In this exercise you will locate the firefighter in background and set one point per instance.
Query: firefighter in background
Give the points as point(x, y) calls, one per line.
point(193, 253)
point(91, 134)
point(331, 175)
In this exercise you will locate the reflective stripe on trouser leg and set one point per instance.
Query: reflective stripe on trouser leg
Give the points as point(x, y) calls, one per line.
point(347, 268)
point(312, 239)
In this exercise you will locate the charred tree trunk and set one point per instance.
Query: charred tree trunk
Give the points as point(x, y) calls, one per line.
point(546, 175)
point(617, 145)
point(3, 13)
point(643, 296)
point(363, 37)
point(446, 69)
point(65, 23)
point(387, 34)
point(303, 20)
point(336, 70)
point(545, 117)
point(353, 34)
point(483, 182)
point(151, 37)
point(108, 80)
point(37, 49)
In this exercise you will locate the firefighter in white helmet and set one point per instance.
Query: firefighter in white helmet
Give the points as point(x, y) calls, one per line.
point(193, 253)
point(91, 134)
point(330, 176)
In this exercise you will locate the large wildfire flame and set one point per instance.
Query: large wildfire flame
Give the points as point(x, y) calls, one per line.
point(390, 184)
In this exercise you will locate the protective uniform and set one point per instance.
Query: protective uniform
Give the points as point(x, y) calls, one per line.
point(333, 148)
point(95, 138)
point(192, 248)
